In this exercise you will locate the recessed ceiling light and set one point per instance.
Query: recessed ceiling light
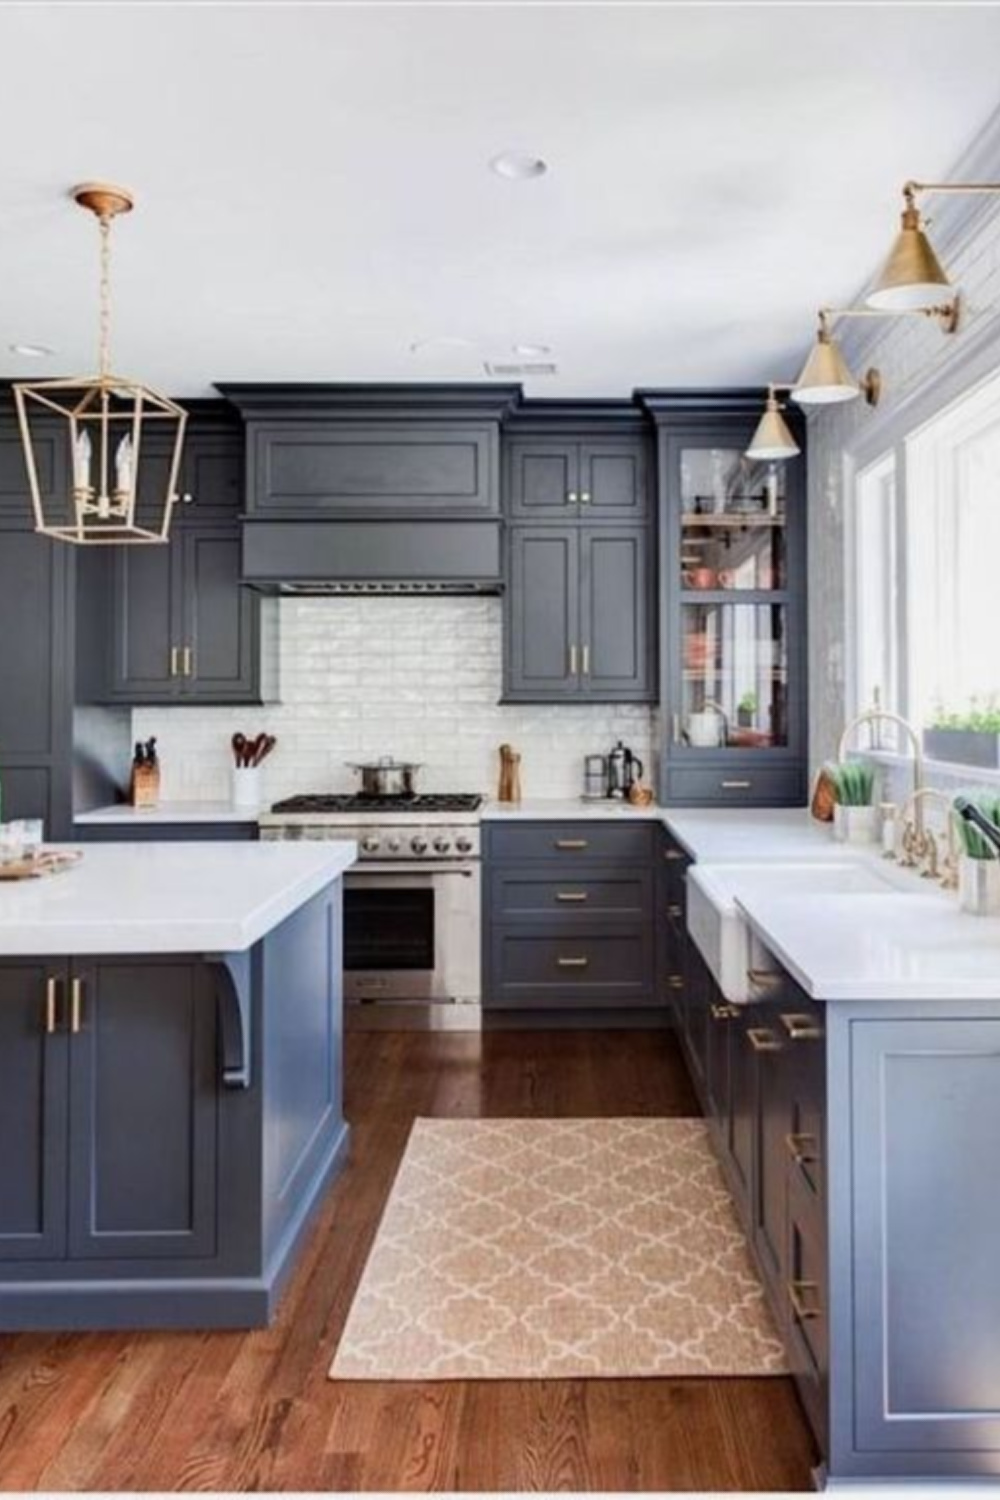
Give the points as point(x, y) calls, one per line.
point(518, 165)
point(32, 351)
point(531, 351)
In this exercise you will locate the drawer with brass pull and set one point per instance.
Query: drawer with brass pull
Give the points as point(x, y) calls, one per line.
point(547, 969)
point(531, 892)
point(571, 844)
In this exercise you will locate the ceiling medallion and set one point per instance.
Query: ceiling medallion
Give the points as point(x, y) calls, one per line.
point(120, 490)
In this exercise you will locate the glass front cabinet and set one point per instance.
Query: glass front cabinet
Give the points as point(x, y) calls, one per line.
point(733, 649)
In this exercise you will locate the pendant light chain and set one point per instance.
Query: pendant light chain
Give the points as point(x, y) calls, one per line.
point(104, 347)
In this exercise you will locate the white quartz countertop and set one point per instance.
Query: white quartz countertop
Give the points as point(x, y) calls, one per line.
point(558, 809)
point(166, 898)
point(122, 815)
point(725, 834)
point(879, 947)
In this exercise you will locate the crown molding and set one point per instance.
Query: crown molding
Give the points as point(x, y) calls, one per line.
point(370, 402)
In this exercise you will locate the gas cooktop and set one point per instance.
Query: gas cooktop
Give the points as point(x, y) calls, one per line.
point(357, 802)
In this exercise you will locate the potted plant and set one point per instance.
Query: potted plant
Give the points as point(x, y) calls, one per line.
point(968, 739)
point(978, 866)
point(855, 816)
point(745, 710)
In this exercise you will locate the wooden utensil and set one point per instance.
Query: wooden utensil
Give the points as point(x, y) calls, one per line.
point(239, 749)
point(509, 789)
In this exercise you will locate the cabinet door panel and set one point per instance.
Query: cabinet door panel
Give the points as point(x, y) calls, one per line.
point(771, 1153)
point(32, 1115)
point(220, 617)
point(143, 1111)
point(543, 479)
point(615, 613)
point(742, 1108)
point(32, 577)
point(543, 613)
point(146, 626)
point(613, 479)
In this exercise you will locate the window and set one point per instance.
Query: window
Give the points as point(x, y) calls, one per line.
point(926, 553)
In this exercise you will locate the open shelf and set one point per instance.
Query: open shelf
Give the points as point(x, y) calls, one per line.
point(731, 521)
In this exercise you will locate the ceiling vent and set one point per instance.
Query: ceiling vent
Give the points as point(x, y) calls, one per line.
point(523, 369)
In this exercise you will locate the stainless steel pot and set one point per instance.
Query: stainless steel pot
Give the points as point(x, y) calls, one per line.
point(387, 777)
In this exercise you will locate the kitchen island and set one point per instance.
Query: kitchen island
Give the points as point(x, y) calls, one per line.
point(170, 1081)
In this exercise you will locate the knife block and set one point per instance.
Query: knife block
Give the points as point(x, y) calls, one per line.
point(144, 788)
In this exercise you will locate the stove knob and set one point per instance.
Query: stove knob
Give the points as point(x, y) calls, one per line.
point(370, 843)
point(442, 845)
point(463, 844)
point(394, 846)
point(418, 845)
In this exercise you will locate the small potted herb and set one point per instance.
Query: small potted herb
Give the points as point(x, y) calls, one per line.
point(746, 709)
point(855, 816)
point(967, 739)
point(978, 866)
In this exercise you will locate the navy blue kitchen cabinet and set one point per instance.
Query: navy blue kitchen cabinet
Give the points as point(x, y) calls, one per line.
point(569, 919)
point(732, 615)
point(108, 1107)
point(180, 626)
point(131, 832)
point(34, 1098)
point(579, 609)
point(168, 1126)
point(37, 579)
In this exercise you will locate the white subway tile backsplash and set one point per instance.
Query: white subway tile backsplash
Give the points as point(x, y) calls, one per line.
point(418, 679)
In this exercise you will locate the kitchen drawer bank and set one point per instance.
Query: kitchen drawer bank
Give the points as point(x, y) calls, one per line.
point(171, 1119)
point(569, 920)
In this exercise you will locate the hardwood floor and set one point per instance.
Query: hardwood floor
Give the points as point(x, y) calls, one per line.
point(233, 1411)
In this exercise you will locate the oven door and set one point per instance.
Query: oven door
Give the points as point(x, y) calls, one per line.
point(412, 933)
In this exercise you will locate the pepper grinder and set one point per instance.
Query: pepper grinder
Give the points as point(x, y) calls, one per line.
point(510, 775)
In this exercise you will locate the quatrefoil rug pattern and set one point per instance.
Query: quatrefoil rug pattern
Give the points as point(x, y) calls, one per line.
point(546, 1249)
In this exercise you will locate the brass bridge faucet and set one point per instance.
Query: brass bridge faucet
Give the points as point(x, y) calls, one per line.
point(879, 716)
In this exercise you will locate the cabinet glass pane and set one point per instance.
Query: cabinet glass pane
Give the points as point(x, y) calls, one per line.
point(734, 676)
point(732, 521)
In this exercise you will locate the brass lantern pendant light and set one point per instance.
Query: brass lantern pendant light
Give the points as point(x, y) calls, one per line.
point(115, 494)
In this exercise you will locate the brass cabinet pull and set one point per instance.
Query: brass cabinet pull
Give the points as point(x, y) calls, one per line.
point(584, 497)
point(571, 843)
point(187, 655)
point(797, 1292)
point(802, 1028)
point(586, 661)
point(51, 996)
point(673, 854)
point(572, 963)
point(175, 661)
point(572, 497)
point(673, 910)
point(764, 979)
point(762, 1039)
point(572, 895)
point(735, 786)
point(675, 982)
point(76, 1006)
point(723, 1012)
point(675, 728)
point(572, 661)
point(802, 1148)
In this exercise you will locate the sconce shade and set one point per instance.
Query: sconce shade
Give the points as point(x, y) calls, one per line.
point(912, 277)
point(825, 376)
point(772, 440)
point(119, 446)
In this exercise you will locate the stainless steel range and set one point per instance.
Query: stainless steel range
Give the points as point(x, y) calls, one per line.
point(411, 905)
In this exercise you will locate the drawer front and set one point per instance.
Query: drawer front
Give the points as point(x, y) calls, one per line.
point(570, 844)
point(746, 785)
point(538, 971)
point(537, 892)
point(807, 1312)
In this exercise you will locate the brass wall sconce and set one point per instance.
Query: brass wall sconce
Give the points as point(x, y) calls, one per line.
point(772, 442)
point(913, 279)
point(826, 376)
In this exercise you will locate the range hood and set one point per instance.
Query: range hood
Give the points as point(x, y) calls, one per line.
point(372, 557)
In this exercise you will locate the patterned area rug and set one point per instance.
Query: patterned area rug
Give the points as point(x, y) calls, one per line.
point(542, 1249)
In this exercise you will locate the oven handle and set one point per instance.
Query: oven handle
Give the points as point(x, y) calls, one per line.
point(388, 868)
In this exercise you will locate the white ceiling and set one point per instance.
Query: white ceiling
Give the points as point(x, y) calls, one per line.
point(314, 194)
